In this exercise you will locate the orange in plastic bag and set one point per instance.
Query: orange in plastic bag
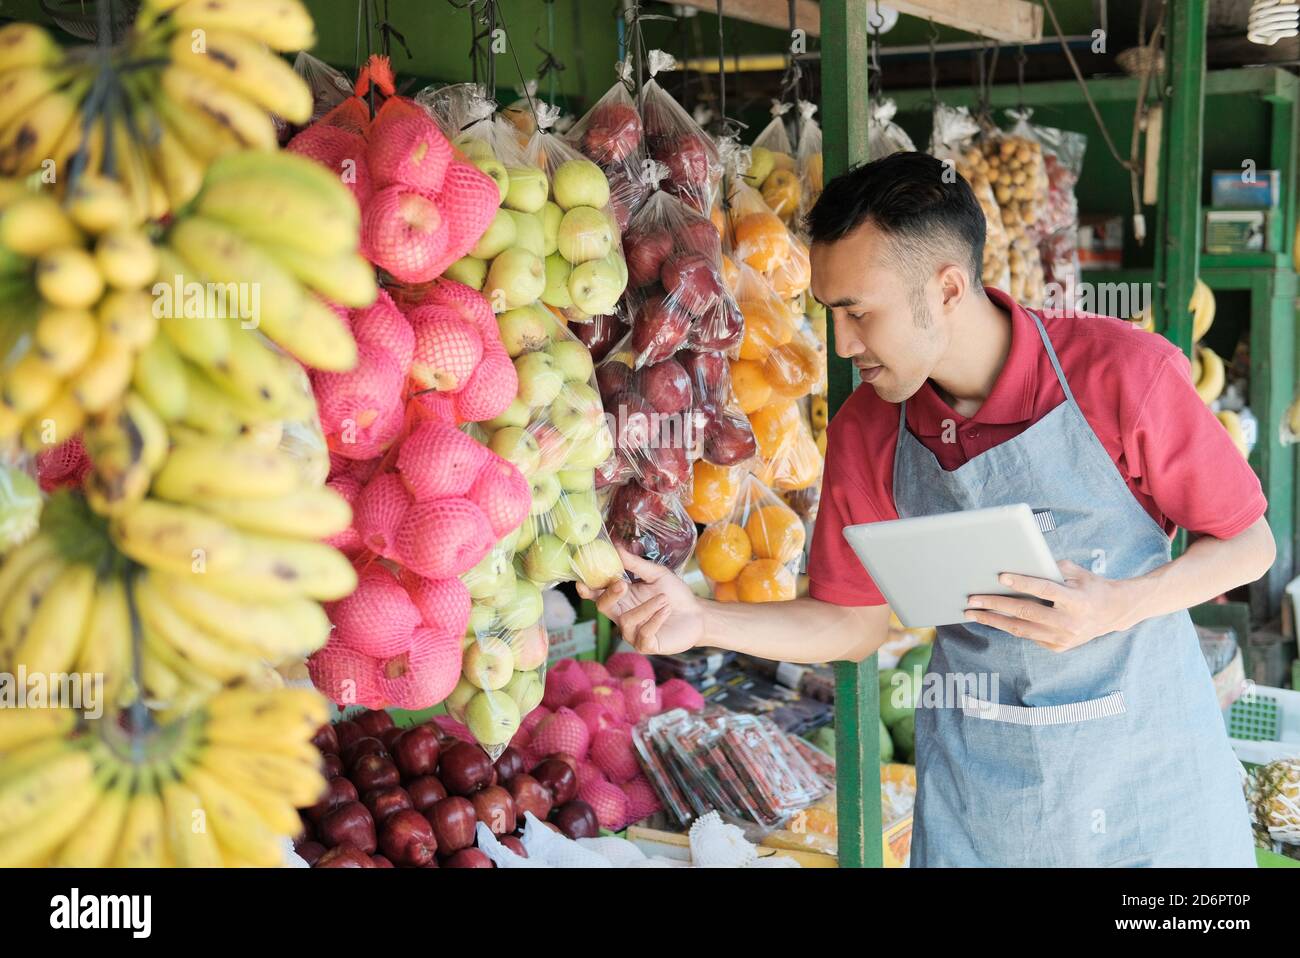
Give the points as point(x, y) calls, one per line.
point(730, 274)
point(794, 369)
point(775, 426)
point(794, 273)
point(725, 592)
point(713, 491)
point(723, 551)
point(762, 240)
point(798, 465)
point(749, 385)
point(775, 532)
point(767, 325)
point(765, 580)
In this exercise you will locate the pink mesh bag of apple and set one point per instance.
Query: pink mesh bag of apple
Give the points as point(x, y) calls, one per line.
point(610, 134)
point(754, 554)
point(674, 139)
point(585, 273)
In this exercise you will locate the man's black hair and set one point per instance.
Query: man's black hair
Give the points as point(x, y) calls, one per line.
point(920, 202)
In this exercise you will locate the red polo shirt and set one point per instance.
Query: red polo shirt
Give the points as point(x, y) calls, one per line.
point(1136, 392)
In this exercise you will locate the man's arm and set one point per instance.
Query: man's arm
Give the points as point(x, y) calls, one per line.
point(1088, 606)
point(660, 615)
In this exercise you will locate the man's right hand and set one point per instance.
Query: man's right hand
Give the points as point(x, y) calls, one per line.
point(659, 615)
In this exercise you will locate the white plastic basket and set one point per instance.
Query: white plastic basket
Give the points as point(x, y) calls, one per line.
point(1264, 724)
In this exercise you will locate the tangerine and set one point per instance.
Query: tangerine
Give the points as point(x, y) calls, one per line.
point(725, 592)
point(762, 240)
point(775, 532)
point(713, 492)
point(730, 274)
point(793, 275)
point(794, 369)
point(775, 426)
point(749, 386)
point(723, 550)
point(767, 325)
point(765, 580)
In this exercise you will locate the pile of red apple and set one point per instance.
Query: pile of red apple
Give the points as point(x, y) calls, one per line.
point(410, 798)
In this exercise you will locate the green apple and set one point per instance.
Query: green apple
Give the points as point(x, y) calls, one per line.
point(548, 560)
point(493, 717)
point(589, 453)
point(529, 646)
point(577, 480)
point(516, 414)
point(485, 578)
point(539, 380)
point(762, 162)
point(524, 610)
point(528, 231)
point(527, 533)
point(596, 286)
point(473, 147)
point(585, 234)
point(469, 270)
point(580, 183)
point(481, 618)
point(517, 445)
point(577, 412)
point(597, 564)
point(528, 189)
point(504, 591)
point(489, 663)
point(525, 329)
point(499, 236)
point(551, 216)
point(572, 359)
point(526, 689)
point(515, 278)
point(556, 292)
point(621, 265)
point(460, 697)
point(576, 518)
point(545, 491)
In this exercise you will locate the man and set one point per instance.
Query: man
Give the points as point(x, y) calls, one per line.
point(1107, 746)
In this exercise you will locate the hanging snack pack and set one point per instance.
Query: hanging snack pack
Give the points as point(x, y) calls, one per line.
point(610, 135)
point(773, 170)
point(675, 140)
point(884, 136)
point(585, 273)
point(1058, 227)
point(1019, 178)
point(809, 159)
point(953, 139)
point(755, 553)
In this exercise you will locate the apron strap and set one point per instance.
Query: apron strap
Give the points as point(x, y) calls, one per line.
point(1051, 354)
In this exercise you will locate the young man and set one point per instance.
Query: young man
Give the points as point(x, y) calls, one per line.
point(1106, 746)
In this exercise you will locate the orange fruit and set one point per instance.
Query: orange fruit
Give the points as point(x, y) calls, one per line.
point(781, 192)
point(723, 551)
point(794, 369)
point(767, 325)
point(762, 241)
point(719, 224)
point(765, 580)
point(725, 592)
point(730, 274)
point(775, 532)
point(793, 275)
point(713, 491)
point(800, 466)
point(775, 426)
point(749, 386)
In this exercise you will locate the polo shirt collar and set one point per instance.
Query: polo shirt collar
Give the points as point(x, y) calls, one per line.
point(1012, 398)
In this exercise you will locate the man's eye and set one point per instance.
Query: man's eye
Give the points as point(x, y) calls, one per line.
point(856, 316)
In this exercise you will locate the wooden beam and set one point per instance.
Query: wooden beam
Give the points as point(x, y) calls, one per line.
point(1011, 21)
point(769, 13)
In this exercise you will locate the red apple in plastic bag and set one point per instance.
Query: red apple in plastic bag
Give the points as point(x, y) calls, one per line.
point(721, 331)
point(613, 133)
point(659, 329)
point(600, 335)
point(666, 386)
point(710, 374)
point(728, 436)
point(650, 525)
point(645, 252)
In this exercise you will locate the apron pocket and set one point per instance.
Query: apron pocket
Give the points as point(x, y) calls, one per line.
point(1107, 705)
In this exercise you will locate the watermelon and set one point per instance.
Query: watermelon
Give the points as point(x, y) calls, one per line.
point(904, 735)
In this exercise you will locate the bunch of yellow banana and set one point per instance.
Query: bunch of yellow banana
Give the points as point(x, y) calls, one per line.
point(1232, 423)
point(1201, 306)
point(72, 294)
point(219, 788)
point(1208, 374)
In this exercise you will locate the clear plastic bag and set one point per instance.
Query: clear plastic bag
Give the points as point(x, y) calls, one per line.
point(328, 86)
point(654, 526)
point(953, 139)
point(600, 335)
point(755, 553)
point(1019, 178)
point(1058, 229)
point(809, 159)
point(884, 136)
point(773, 169)
point(676, 140)
point(758, 238)
point(610, 134)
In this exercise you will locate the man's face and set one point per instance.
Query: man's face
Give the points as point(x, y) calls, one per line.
point(890, 323)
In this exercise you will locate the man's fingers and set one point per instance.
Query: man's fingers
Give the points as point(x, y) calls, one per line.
point(607, 604)
point(643, 569)
point(585, 592)
point(649, 641)
point(1072, 570)
point(1017, 627)
point(1032, 585)
point(631, 621)
point(1015, 608)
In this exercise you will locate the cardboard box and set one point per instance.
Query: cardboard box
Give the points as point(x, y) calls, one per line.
point(1101, 242)
point(1242, 231)
point(1231, 190)
point(578, 641)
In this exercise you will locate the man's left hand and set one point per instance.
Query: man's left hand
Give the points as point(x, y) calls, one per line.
point(1084, 607)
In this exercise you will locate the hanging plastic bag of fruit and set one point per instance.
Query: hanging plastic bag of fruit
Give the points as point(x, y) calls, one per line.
point(677, 141)
point(760, 240)
point(586, 272)
point(329, 87)
point(611, 136)
point(601, 334)
point(809, 159)
point(1019, 178)
point(1058, 228)
point(754, 554)
point(773, 170)
point(954, 140)
point(795, 462)
point(521, 113)
point(677, 294)
point(884, 136)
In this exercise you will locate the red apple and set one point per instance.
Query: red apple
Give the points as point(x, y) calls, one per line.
point(375, 771)
point(728, 436)
point(709, 372)
point(599, 335)
point(331, 765)
point(453, 823)
point(368, 745)
point(509, 763)
point(338, 791)
point(612, 378)
point(558, 776)
point(577, 819)
point(424, 791)
point(310, 852)
point(698, 235)
point(614, 471)
point(350, 823)
point(465, 768)
point(692, 283)
point(613, 133)
point(347, 732)
point(389, 737)
point(650, 525)
point(407, 838)
point(645, 253)
point(530, 795)
point(721, 331)
point(495, 808)
point(373, 721)
point(381, 862)
point(688, 157)
point(515, 845)
point(326, 739)
point(667, 468)
point(344, 856)
point(384, 802)
point(468, 858)
point(666, 386)
point(416, 751)
point(660, 327)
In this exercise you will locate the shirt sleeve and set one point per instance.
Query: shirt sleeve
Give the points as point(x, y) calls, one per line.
point(835, 574)
point(1180, 454)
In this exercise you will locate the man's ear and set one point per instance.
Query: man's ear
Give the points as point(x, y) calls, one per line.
point(953, 286)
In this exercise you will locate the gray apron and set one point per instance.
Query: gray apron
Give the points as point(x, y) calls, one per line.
point(1111, 754)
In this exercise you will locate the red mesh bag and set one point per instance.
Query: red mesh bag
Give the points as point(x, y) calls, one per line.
point(425, 674)
point(346, 676)
point(378, 617)
point(405, 233)
point(406, 147)
point(379, 513)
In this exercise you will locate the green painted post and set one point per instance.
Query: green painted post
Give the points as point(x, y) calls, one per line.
point(857, 706)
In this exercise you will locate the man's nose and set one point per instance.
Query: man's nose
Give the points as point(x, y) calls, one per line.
point(847, 343)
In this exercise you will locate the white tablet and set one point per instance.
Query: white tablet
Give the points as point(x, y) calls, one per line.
point(927, 567)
